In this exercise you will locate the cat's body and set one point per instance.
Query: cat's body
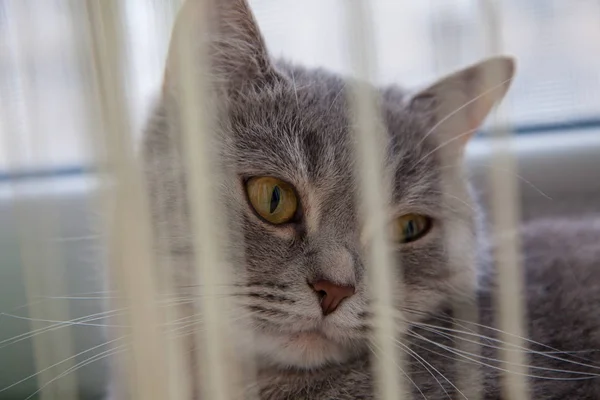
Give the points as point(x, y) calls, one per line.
point(291, 125)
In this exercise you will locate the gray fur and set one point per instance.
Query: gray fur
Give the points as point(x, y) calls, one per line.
point(290, 122)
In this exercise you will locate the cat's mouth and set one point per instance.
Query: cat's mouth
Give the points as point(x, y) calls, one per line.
point(309, 338)
point(310, 348)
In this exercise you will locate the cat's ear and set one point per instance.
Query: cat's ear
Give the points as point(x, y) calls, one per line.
point(236, 49)
point(460, 102)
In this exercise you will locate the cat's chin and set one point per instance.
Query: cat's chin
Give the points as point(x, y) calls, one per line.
point(303, 350)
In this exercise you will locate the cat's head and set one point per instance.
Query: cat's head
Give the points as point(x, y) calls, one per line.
point(286, 134)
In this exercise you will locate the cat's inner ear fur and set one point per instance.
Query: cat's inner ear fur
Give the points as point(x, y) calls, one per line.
point(233, 42)
point(460, 102)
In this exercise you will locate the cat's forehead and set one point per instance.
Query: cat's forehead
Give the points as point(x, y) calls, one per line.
point(301, 130)
point(290, 130)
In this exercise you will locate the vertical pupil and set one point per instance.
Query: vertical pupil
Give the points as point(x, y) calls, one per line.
point(275, 198)
point(410, 228)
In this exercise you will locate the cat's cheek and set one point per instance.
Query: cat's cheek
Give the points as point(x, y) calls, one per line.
point(461, 248)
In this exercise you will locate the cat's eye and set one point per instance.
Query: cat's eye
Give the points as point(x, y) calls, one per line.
point(273, 199)
point(410, 227)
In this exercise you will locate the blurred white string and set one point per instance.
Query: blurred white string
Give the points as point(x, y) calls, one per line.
point(208, 224)
point(505, 210)
point(42, 262)
point(133, 267)
point(370, 150)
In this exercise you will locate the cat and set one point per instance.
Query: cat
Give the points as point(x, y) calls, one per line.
point(285, 132)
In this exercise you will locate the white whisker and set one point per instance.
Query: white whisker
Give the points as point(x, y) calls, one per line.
point(444, 144)
point(30, 334)
point(512, 345)
point(97, 357)
point(425, 365)
point(474, 99)
point(529, 366)
point(458, 353)
point(59, 363)
point(401, 370)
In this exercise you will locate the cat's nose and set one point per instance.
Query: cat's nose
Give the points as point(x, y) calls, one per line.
point(332, 294)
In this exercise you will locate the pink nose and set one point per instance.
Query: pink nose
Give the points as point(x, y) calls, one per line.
point(332, 294)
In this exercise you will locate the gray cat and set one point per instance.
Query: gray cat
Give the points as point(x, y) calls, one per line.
point(284, 130)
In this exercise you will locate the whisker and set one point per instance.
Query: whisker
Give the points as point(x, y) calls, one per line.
point(185, 322)
point(527, 350)
point(182, 320)
point(75, 238)
point(42, 298)
point(416, 335)
point(30, 334)
point(530, 366)
point(80, 298)
point(444, 144)
point(97, 357)
point(518, 347)
point(336, 98)
point(421, 361)
point(59, 363)
point(295, 90)
point(516, 175)
point(400, 369)
point(449, 115)
point(81, 321)
point(460, 200)
point(472, 333)
point(63, 323)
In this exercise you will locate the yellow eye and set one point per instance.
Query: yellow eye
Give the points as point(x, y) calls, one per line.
point(273, 199)
point(411, 227)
